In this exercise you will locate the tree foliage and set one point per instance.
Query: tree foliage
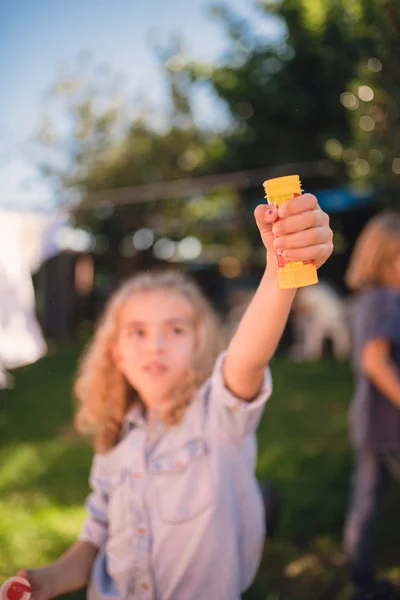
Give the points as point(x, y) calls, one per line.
point(284, 93)
point(372, 155)
point(288, 97)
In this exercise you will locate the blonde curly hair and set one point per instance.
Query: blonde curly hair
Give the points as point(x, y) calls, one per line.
point(104, 394)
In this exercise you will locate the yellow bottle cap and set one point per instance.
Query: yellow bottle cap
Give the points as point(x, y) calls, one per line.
point(279, 186)
point(297, 275)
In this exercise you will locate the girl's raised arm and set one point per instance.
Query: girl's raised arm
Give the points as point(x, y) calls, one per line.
point(302, 233)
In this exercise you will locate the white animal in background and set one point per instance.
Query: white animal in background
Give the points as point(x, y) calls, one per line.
point(320, 314)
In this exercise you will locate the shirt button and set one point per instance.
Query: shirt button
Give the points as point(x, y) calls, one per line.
point(145, 586)
point(141, 530)
point(178, 464)
point(138, 475)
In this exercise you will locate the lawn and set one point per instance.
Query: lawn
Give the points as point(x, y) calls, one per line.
point(303, 451)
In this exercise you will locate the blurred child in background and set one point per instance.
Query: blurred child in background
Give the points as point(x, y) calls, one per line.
point(175, 510)
point(374, 273)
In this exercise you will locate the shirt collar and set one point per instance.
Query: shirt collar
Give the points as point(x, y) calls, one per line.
point(135, 416)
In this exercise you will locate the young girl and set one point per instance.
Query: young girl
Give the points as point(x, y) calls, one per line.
point(374, 272)
point(175, 512)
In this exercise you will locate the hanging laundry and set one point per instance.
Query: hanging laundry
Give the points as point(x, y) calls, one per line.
point(26, 241)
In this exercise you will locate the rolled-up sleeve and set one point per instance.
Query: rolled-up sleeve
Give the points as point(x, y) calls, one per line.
point(235, 417)
point(95, 527)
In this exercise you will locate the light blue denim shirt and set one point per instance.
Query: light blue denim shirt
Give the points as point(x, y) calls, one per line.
point(176, 512)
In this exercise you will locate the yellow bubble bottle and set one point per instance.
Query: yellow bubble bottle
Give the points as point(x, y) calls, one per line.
point(290, 274)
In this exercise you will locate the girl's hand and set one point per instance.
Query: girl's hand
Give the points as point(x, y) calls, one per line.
point(40, 580)
point(300, 233)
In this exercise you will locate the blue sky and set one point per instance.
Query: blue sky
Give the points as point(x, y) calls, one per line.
point(40, 38)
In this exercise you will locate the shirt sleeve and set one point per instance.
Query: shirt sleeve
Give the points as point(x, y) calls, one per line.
point(95, 527)
point(380, 318)
point(236, 418)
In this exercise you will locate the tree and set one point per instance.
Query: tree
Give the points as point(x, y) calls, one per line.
point(101, 147)
point(373, 101)
point(284, 94)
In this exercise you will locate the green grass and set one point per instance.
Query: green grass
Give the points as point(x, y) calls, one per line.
point(303, 451)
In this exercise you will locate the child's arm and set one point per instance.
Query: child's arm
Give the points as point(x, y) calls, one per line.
point(69, 573)
point(377, 363)
point(72, 571)
point(257, 336)
point(303, 232)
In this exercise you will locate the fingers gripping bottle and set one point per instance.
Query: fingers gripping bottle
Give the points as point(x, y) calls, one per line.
point(16, 588)
point(290, 274)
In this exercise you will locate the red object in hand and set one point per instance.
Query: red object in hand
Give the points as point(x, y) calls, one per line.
point(16, 588)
